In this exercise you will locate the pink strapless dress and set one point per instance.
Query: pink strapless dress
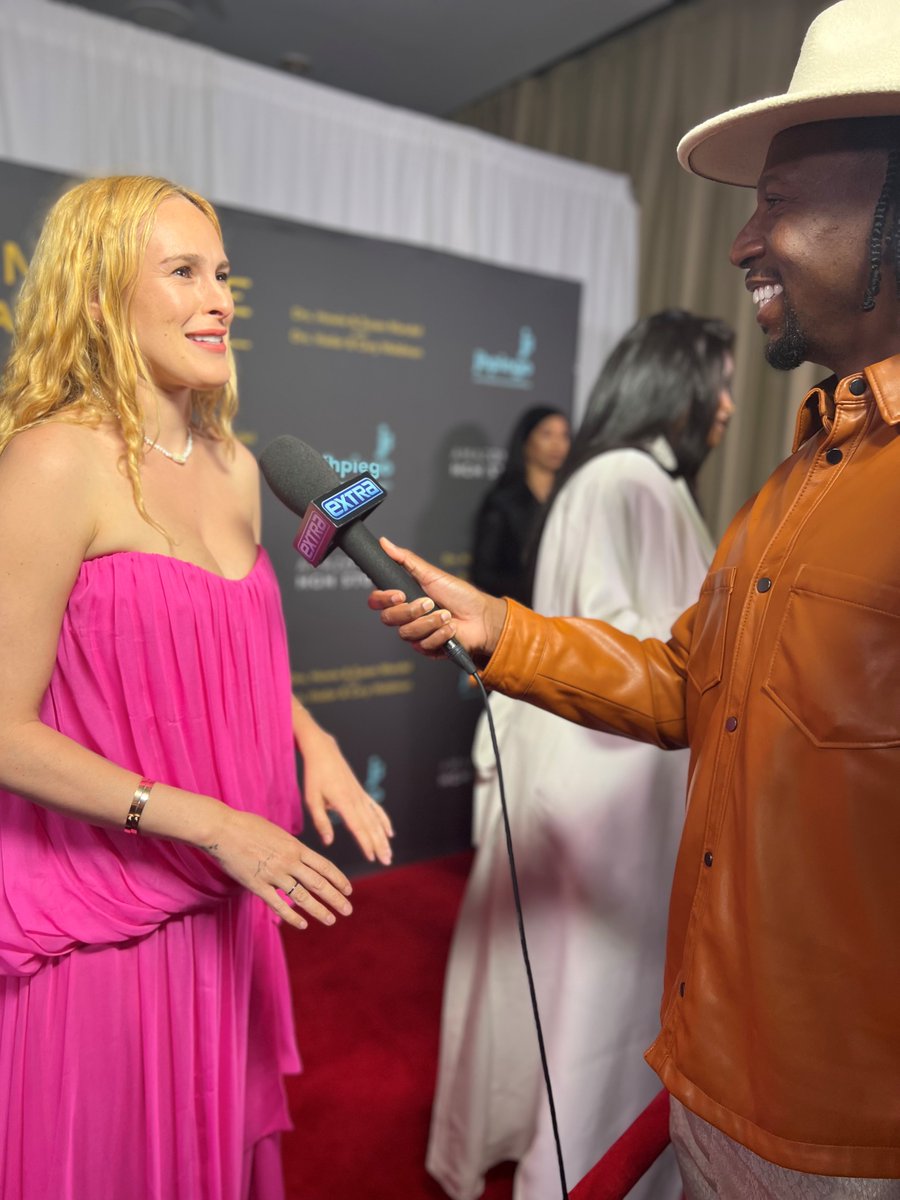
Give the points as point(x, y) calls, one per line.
point(145, 1015)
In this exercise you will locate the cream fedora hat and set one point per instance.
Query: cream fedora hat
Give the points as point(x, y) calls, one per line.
point(849, 66)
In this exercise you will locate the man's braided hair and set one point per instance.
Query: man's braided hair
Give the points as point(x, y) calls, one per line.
point(885, 234)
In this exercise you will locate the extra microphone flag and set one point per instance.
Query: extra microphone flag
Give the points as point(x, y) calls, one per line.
point(331, 512)
point(327, 514)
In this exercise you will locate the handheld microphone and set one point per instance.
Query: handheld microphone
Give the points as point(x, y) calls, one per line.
point(299, 476)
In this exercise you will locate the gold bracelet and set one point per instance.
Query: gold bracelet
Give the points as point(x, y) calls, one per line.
point(138, 800)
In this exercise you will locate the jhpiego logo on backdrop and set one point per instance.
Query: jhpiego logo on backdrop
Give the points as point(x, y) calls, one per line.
point(328, 514)
point(381, 464)
point(505, 370)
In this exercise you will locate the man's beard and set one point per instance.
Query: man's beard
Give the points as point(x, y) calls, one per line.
point(787, 352)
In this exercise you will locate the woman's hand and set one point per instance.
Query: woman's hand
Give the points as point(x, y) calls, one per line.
point(330, 785)
point(272, 863)
point(452, 608)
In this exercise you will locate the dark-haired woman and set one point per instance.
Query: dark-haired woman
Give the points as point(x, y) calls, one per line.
point(596, 819)
point(507, 519)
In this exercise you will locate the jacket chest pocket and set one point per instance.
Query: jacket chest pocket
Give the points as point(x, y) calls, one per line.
point(834, 669)
point(707, 657)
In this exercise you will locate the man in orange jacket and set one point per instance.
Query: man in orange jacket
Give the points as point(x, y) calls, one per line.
point(780, 1040)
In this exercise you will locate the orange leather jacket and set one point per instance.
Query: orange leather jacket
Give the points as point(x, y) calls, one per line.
point(781, 1007)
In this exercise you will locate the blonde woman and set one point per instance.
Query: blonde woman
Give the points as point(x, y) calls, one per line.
point(145, 690)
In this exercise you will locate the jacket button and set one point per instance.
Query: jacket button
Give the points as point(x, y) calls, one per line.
point(763, 585)
point(707, 859)
point(731, 724)
point(857, 387)
point(833, 456)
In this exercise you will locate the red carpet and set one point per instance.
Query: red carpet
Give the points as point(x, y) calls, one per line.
point(367, 998)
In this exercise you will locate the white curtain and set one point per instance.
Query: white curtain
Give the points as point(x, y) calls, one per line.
point(89, 95)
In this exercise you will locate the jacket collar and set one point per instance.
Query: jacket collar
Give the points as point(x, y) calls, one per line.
point(884, 380)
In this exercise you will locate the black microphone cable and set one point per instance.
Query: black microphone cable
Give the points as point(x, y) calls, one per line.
point(520, 919)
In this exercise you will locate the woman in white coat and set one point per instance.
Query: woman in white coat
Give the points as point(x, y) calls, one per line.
point(595, 819)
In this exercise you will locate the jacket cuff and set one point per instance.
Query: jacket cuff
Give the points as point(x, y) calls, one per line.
point(517, 656)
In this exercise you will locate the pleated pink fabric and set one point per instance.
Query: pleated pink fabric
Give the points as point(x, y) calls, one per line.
point(145, 1016)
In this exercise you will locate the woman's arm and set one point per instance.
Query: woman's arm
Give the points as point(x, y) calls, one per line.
point(51, 505)
point(330, 785)
point(328, 781)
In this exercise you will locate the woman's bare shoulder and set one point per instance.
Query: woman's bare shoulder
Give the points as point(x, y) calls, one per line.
point(245, 460)
point(238, 475)
point(54, 450)
point(239, 464)
point(231, 455)
point(53, 480)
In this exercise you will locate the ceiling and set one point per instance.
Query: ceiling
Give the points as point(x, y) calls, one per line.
point(431, 56)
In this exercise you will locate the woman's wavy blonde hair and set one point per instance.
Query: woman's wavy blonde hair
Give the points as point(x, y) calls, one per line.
point(75, 353)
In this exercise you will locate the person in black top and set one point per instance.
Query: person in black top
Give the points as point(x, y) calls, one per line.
point(510, 511)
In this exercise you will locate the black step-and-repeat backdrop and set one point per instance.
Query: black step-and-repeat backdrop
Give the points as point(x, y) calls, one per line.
point(408, 363)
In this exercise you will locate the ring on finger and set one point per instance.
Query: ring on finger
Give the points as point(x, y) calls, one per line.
point(290, 890)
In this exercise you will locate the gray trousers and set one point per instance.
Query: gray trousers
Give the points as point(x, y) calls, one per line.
point(714, 1167)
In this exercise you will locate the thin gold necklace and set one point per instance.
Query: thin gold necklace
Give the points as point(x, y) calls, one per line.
point(182, 458)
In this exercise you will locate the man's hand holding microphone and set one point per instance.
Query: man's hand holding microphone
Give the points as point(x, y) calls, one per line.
point(451, 608)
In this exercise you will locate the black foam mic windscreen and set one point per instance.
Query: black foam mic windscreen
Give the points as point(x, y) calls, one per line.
point(297, 475)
